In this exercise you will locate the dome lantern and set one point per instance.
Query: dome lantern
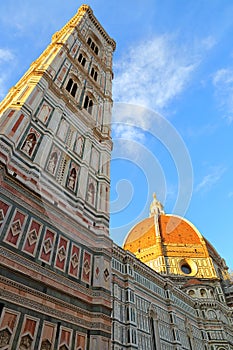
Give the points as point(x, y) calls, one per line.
point(156, 208)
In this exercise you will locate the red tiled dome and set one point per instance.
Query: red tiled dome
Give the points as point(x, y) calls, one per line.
point(173, 230)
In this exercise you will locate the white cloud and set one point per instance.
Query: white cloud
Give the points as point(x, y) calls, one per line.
point(210, 179)
point(223, 83)
point(154, 72)
point(223, 76)
point(209, 42)
point(5, 55)
point(2, 88)
point(128, 132)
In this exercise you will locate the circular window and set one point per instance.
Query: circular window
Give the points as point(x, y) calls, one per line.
point(191, 293)
point(188, 267)
point(203, 293)
point(185, 268)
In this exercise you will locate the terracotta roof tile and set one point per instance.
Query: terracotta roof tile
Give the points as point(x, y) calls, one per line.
point(176, 230)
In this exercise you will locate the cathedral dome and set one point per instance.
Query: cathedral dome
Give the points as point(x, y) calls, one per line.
point(172, 230)
point(171, 245)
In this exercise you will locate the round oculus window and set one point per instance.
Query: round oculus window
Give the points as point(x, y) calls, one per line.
point(185, 268)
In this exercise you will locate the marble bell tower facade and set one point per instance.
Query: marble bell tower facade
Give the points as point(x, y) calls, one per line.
point(55, 149)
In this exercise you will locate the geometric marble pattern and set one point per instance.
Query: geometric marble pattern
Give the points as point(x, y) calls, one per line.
point(74, 260)
point(47, 246)
point(86, 267)
point(2, 216)
point(106, 274)
point(16, 228)
point(32, 237)
point(61, 253)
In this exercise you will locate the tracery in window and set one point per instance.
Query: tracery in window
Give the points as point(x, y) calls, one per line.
point(69, 85)
point(94, 74)
point(82, 59)
point(93, 45)
point(72, 87)
point(88, 104)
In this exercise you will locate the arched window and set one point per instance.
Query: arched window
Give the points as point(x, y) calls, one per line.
point(69, 85)
point(82, 59)
point(94, 74)
point(93, 46)
point(72, 87)
point(88, 104)
point(96, 50)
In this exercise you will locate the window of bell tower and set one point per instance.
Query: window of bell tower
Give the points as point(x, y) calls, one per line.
point(88, 104)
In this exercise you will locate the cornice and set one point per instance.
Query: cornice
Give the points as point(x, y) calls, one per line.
point(75, 20)
point(87, 8)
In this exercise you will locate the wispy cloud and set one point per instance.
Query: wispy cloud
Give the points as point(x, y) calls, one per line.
point(152, 73)
point(128, 132)
point(223, 83)
point(5, 55)
point(210, 179)
point(26, 17)
point(208, 43)
point(2, 88)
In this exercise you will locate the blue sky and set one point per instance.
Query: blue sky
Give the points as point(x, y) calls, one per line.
point(173, 110)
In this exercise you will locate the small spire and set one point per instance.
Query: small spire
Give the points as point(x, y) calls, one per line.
point(156, 208)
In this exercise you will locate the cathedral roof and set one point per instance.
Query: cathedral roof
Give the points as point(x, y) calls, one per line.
point(172, 230)
point(172, 245)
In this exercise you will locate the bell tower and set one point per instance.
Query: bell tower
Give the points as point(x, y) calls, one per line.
point(55, 122)
point(55, 147)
